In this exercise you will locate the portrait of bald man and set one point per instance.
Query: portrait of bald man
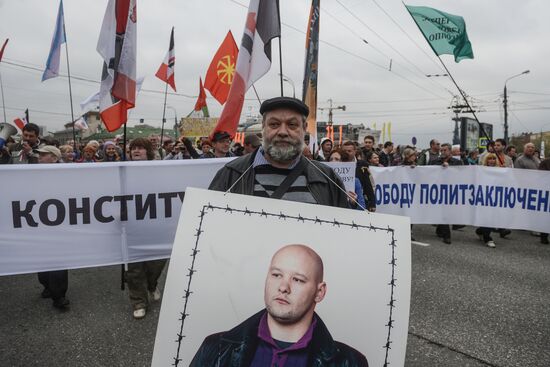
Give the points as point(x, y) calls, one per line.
point(288, 332)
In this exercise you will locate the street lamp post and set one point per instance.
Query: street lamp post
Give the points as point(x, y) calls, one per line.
point(505, 102)
point(175, 121)
point(289, 81)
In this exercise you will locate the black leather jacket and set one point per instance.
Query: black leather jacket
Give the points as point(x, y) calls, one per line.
point(324, 191)
point(236, 348)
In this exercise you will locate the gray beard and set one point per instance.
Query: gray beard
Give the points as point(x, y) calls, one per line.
point(283, 153)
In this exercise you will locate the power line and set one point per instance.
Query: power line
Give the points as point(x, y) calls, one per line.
point(408, 36)
point(95, 81)
point(388, 44)
point(354, 55)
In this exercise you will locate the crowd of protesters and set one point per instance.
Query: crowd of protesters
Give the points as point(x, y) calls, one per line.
point(142, 277)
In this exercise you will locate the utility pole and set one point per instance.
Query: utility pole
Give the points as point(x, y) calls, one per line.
point(458, 107)
point(330, 109)
point(505, 103)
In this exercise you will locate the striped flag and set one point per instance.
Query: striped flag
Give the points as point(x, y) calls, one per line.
point(81, 124)
point(309, 90)
point(117, 47)
point(166, 69)
point(20, 122)
point(254, 60)
point(59, 37)
point(201, 101)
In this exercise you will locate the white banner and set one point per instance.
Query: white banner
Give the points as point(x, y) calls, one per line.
point(63, 216)
point(66, 216)
point(472, 195)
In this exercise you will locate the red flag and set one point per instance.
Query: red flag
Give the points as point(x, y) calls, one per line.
point(166, 69)
point(20, 122)
point(201, 101)
point(3, 47)
point(261, 26)
point(117, 47)
point(221, 71)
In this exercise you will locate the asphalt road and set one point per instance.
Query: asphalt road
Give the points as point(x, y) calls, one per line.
point(471, 306)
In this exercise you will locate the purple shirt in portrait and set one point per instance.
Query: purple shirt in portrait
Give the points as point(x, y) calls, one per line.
point(269, 353)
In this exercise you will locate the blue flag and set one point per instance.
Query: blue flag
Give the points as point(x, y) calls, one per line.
point(52, 65)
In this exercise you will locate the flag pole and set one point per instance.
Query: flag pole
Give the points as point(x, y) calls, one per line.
point(124, 143)
point(70, 89)
point(481, 129)
point(27, 115)
point(257, 96)
point(280, 54)
point(3, 100)
point(163, 114)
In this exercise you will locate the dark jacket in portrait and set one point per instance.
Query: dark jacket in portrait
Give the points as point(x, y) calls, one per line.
point(236, 348)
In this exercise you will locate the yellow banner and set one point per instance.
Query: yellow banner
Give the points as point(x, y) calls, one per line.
point(197, 126)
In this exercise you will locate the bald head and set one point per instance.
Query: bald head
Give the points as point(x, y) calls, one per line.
point(294, 285)
point(302, 257)
point(529, 149)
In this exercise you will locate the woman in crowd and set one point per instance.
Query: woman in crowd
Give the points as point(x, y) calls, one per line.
point(373, 159)
point(472, 157)
point(357, 198)
point(110, 152)
point(67, 153)
point(88, 154)
point(408, 157)
point(484, 233)
point(142, 277)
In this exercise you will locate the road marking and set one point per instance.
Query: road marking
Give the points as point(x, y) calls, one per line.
point(420, 243)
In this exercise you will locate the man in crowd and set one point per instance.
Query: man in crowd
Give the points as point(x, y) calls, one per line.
point(326, 148)
point(430, 156)
point(445, 160)
point(251, 142)
point(456, 153)
point(386, 154)
point(527, 160)
point(26, 151)
point(511, 151)
point(221, 142)
point(363, 174)
point(278, 169)
point(55, 282)
point(503, 160)
point(287, 332)
point(368, 145)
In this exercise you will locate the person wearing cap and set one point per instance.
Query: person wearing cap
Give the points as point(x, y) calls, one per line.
point(221, 141)
point(88, 154)
point(277, 169)
point(251, 143)
point(48, 154)
point(326, 148)
point(110, 152)
point(56, 282)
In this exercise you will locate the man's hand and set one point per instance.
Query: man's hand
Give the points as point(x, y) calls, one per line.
point(445, 164)
point(26, 148)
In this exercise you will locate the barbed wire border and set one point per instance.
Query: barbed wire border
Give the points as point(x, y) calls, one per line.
point(298, 218)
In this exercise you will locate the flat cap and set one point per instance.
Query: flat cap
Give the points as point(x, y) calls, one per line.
point(50, 149)
point(284, 102)
point(219, 135)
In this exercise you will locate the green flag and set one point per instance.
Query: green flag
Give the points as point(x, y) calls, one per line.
point(446, 33)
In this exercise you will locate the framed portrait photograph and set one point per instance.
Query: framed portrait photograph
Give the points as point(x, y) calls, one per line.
point(256, 281)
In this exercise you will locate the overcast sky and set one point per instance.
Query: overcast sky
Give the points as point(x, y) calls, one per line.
point(507, 37)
